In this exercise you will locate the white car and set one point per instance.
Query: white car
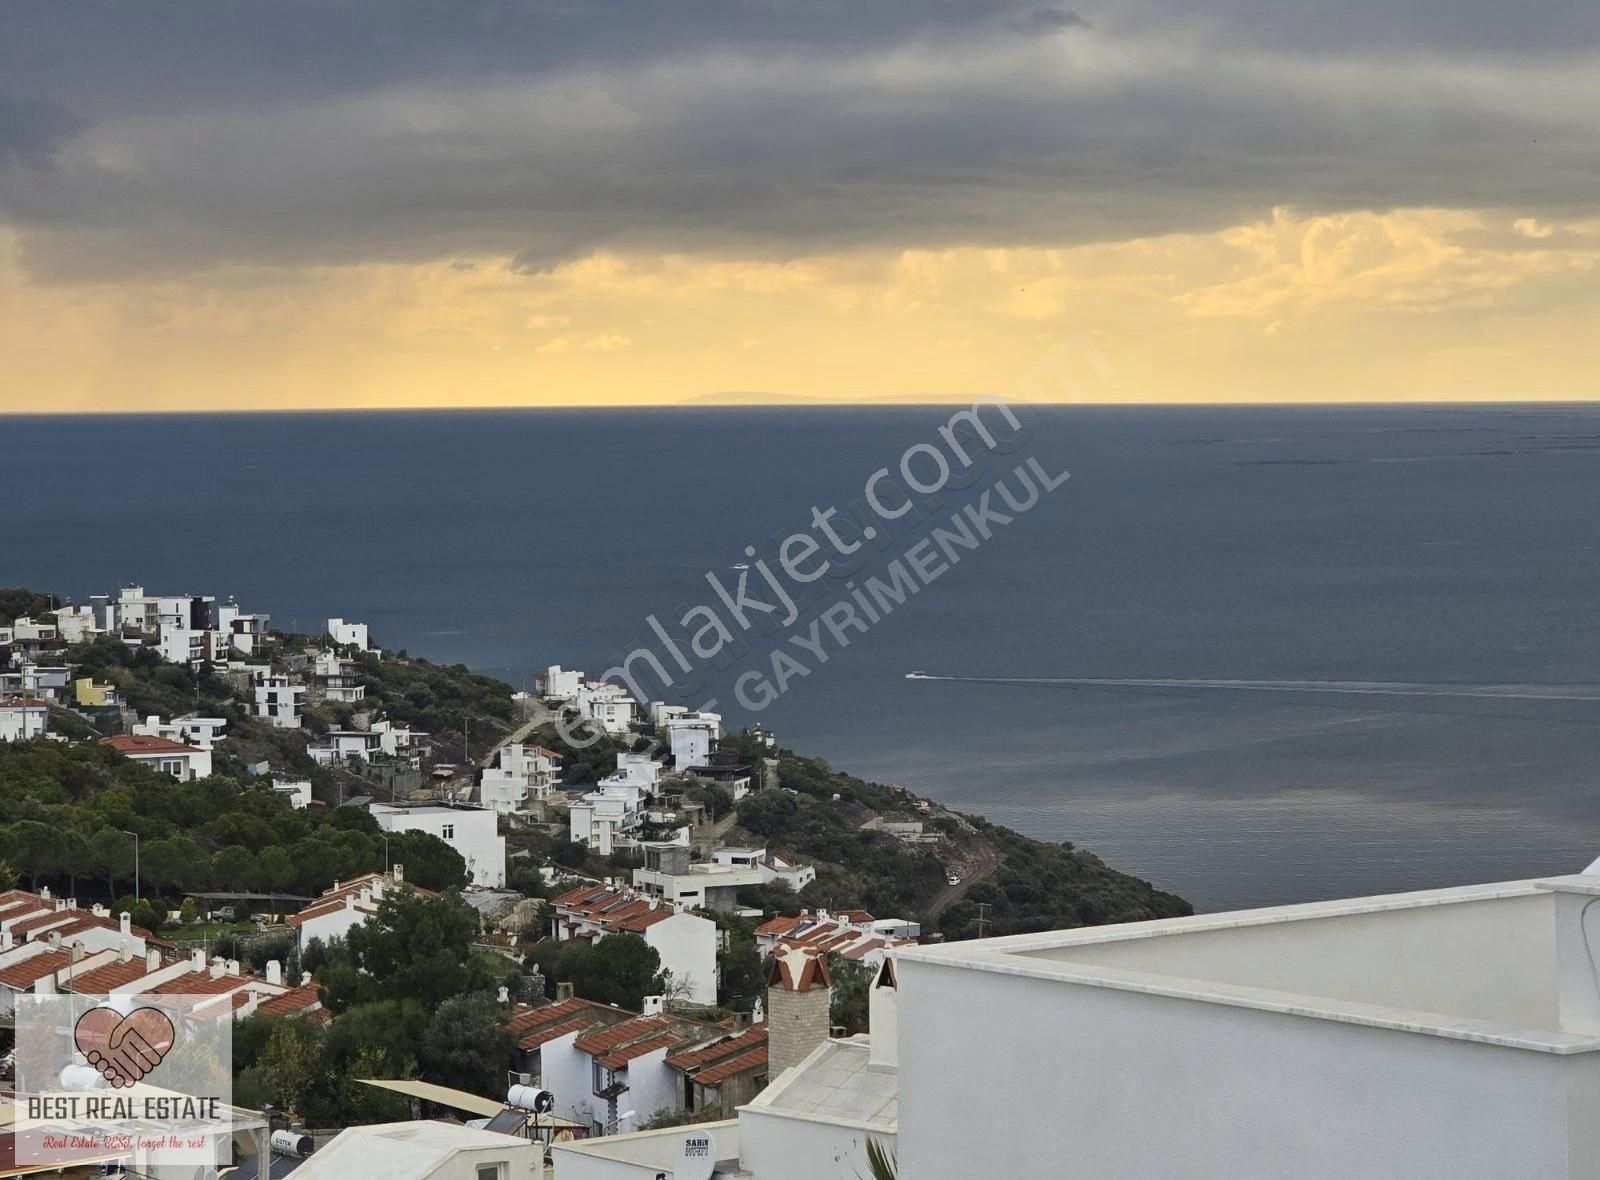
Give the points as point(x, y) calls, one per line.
point(952, 879)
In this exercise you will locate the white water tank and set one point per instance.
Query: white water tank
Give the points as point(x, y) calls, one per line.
point(531, 1098)
point(292, 1143)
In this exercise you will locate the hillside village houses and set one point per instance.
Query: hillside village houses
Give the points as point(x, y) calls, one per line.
point(201, 732)
point(561, 684)
point(608, 707)
point(49, 944)
point(686, 942)
point(348, 634)
point(347, 904)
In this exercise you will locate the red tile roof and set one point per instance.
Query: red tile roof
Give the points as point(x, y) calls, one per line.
point(717, 1074)
point(132, 745)
point(296, 999)
point(605, 1040)
point(200, 983)
point(694, 1059)
point(21, 976)
point(614, 908)
point(332, 900)
point(553, 1032)
point(798, 969)
point(621, 1057)
point(103, 980)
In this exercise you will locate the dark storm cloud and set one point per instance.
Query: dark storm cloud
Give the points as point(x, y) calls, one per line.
point(296, 133)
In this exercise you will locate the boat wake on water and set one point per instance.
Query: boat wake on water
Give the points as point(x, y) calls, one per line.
point(1378, 688)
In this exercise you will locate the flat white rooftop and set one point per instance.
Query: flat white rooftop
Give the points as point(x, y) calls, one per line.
point(1506, 964)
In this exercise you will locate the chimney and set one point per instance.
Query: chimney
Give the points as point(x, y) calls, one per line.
point(305, 979)
point(197, 960)
point(504, 995)
point(217, 967)
point(274, 971)
point(77, 952)
point(44, 894)
point(125, 923)
point(883, 1016)
point(231, 967)
point(6, 942)
point(654, 1005)
point(124, 951)
point(398, 873)
point(152, 960)
point(72, 903)
point(563, 992)
point(54, 939)
point(798, 991)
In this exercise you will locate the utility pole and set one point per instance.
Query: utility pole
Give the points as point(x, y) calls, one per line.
point(135, 836)
point(983, 916)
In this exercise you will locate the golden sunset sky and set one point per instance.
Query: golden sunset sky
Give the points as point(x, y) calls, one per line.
point(541, 203)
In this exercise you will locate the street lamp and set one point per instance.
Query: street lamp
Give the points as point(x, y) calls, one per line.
point(385, 838)
point(135, 836)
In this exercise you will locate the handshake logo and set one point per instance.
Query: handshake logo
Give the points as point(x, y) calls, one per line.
point(124, 1048)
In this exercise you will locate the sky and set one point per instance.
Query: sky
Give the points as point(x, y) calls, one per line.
point(399, 203)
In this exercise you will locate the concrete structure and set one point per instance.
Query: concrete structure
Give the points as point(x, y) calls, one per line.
point(1452, 1033)
point(297, 791)
point(184, 763)
point(348, 634)
point(474, 832)
point(191, 645)
point(339, 745)
point(23, 718)
point(692, 737)
point(243, 632)
point(334, 678)
point(202, 733)
point(278, 699)
point(89, 695)
point(523, 774)
point(561, 684)
point(424, 1151)
point(48, 682)
point(651, 1155)
point(607, 707)
point(669, 873)
point(685, 942)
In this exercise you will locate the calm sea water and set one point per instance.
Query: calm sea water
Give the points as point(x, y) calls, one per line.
point(1429, 547)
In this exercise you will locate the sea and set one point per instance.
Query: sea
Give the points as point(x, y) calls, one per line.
point(1254, 655)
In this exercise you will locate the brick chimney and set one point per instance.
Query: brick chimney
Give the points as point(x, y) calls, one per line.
point(274, 971)
point(798, 991)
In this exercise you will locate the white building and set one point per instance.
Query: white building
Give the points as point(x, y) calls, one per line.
point(474, 832)
point(278, 700)
point(22, 718)
point(669, 873)
point(852, 934)
point(297, 791)
point(1453, 1033)
point(522, 774)
point(243, 632)
point(202, 733)
point(634, 770)
point(348, 904)
point(608, 707)
point(400, 741)
point(340, 745)
point(424, 1151)
point(562, 684)
point(686, 943)
point(348, 634)
point(46, 681)
point(189, 645)
point(335, 678)
point(692, 737)
point(605, 817)
point(184, 763)
point(76, 624)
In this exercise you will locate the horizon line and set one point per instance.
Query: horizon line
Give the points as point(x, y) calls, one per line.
point(797, 402)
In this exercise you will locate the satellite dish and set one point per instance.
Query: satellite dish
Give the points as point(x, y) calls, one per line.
point(696, 1156)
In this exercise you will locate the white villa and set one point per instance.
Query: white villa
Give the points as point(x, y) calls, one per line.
point(561, 684)
point(692, 737)
point(687, 943)
point(22, 718)
point(348, 634)
point(474, 832)
point(278, 699)
point(522, 774)
point(202, 733)
point(669, 873)
point(607, 706)
point(183, 762)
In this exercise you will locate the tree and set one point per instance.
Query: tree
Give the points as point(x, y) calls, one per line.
point(852, 988)
point(619, 969)
point(290, 1063)
point(414, 948)
point(189, 912)
point(467, 1046)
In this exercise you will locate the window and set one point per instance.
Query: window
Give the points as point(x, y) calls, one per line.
point(448, 832)
point(492, 1171)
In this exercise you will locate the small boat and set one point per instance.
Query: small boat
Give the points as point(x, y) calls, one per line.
point(919, 674)
point(739, 566)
